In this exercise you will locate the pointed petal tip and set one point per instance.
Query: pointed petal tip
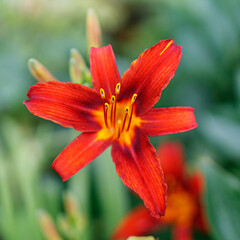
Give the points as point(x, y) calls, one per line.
point(96, 48)
point(172, 120)
point(155, 67)
point(161, 211)
point(139, 168)
point(57, 101)
point(53, 166)
point(79, 153)
point(104, 70)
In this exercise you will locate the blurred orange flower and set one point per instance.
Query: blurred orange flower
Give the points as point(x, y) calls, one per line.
point(184, 210)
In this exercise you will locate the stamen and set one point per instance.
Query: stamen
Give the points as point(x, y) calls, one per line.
point(134, 98)
point(117, 89)
point(112, 99)
point(102, 93)
point(105, 114)
point(132, 102)
point(125, 118)
point(112, 109)
point(114, 113)
point(119, 128)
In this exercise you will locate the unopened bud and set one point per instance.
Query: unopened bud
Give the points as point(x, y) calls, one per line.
point(94, 36)
point(77, 67)
point(48, 227)
point(70, 204)
point(39, 71)
point(64, 224)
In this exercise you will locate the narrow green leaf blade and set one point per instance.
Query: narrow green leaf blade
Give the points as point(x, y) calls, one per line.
point(222, 201)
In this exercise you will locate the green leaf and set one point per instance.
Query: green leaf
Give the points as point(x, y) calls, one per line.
point(111, 192)
point(222, 201)
point(222, 133)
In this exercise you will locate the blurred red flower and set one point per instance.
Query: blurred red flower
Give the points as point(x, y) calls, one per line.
point(184, 211)
point(117, 111)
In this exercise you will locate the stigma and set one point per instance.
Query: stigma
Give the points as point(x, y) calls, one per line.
point(117, 116)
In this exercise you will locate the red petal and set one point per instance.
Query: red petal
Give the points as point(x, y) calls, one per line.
point(137, 223)
point(139, 168)
point(80, 152)
point(160, 121)
point(182, 233)
point(196, 184)
point(150, 74)
point(104, 70)
point(172, 159)
point(201, 221)
point(68, 104)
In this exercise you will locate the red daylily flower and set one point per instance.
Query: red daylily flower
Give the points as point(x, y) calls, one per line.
point(117, 111)
point(184, 212)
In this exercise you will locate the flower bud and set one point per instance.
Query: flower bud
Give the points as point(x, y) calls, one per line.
point(79, 72)
point(70, 204)
point(39, 71)
point(48, 227)
point(94, 37)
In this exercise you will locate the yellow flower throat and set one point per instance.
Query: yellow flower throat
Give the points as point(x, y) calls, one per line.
point(117, 116)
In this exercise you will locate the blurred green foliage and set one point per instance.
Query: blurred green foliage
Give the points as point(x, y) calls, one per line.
point(208, 79)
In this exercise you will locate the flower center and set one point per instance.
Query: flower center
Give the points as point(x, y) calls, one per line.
point(117, 115)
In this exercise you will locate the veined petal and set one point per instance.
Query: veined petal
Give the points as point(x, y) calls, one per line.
point(104, 70)
point(151, 73)
point(160, 121)
point(138, 222)
point(68, 104)
point(80, 152)
point(172, 159)
point(139, 168)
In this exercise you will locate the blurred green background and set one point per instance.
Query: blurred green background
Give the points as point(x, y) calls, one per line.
point(208, 78)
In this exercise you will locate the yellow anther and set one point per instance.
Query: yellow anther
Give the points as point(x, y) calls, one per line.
point(102, 93)
point(106, 106)
point(127, 109)
point(134, 98)
point(113, 99)
point(117, 89)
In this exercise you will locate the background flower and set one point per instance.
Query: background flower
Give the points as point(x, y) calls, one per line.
point(185, 211)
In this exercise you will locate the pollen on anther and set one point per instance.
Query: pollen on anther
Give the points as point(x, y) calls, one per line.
point(117, 89)
point(113, 99)
point(134, 98)
point(106, 106)
point(102, 93)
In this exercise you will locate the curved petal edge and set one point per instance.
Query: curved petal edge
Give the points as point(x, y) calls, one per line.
point(139, 168)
